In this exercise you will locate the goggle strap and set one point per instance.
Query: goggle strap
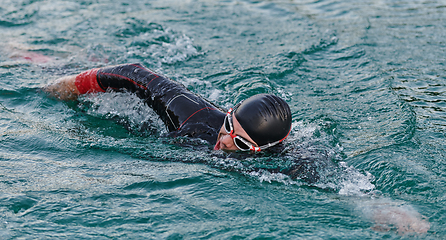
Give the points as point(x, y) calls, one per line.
point(275, 143)
point(255, 149)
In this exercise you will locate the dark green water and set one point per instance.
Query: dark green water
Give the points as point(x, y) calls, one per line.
point(365, 81)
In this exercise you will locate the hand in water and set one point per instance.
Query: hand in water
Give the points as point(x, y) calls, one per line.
point(63, 88)
point(18, 51)
point(405, 222)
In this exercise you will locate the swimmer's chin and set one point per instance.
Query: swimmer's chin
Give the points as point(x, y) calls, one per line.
point(218, 147)
point(229, 151)
point(226, 150)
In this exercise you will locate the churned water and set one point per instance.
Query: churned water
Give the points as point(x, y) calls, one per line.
point(366, 82)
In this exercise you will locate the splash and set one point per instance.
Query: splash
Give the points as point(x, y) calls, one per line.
point(157, 45)
point(127, 109)
point(354, 183)
point(179, 50)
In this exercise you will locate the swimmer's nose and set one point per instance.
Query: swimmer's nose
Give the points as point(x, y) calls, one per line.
point(226, 141)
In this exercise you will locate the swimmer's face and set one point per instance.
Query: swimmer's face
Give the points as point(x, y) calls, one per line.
point(225, 141)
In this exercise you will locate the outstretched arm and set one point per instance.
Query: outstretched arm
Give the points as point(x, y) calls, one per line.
point(169, 99)
point(70, 87)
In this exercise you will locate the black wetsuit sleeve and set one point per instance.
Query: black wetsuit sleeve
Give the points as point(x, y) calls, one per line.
point(183, 112)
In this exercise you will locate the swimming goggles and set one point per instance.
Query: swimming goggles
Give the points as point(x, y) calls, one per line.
point(240, 142)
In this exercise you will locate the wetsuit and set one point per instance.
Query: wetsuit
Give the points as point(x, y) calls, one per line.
point(183, 112)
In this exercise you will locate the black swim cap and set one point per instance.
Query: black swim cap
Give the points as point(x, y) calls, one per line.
point(265, 118)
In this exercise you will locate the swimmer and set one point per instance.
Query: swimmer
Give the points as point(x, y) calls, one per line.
point(256, 124)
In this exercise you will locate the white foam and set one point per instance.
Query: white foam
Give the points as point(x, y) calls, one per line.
point(302, 131)
point(179, 50)
point(265, 176)
point(353, 182)
point(123, 105)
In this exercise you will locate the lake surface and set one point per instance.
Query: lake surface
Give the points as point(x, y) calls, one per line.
point(365, 80)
